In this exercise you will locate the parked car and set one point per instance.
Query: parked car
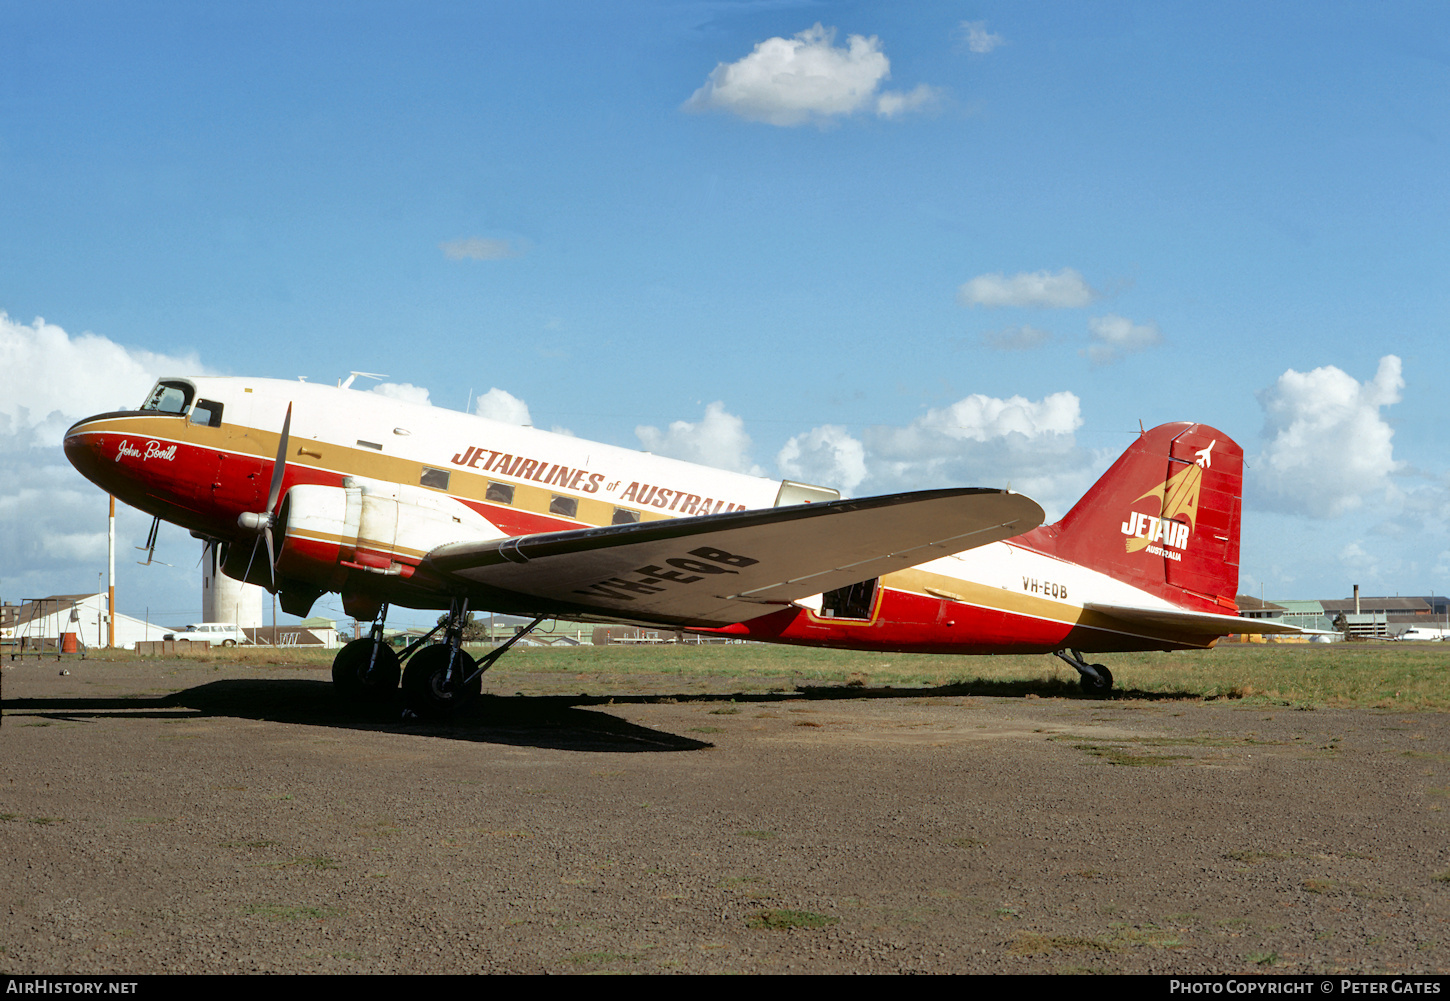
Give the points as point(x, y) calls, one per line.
point(215, 633)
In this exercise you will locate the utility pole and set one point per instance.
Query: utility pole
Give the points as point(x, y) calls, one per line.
point(111, 581)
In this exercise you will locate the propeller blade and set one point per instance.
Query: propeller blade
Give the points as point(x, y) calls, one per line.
point(246, 577)
point(279, 468)
point(271, 557)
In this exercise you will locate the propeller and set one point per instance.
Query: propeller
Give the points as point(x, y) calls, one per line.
point(261, 522)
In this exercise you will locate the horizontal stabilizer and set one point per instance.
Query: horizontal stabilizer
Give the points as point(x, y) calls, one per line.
point(1192, 623)
point(726, 568)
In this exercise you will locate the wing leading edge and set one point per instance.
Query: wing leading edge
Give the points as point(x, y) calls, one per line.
point(726, 568)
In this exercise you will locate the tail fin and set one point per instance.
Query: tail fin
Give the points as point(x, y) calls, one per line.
point(1164, 518)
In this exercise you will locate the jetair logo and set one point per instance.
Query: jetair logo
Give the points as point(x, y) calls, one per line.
point(1177, 511)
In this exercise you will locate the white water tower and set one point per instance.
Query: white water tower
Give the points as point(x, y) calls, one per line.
point(224, 599)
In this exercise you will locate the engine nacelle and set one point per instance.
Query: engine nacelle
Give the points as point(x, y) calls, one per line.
point(368, 525)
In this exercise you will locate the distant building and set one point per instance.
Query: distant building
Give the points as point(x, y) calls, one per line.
point(316, 632)
point(40, 623)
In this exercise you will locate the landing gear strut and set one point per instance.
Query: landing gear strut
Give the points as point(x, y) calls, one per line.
point(442, 678)
point(367, 668)
point(1096, 680)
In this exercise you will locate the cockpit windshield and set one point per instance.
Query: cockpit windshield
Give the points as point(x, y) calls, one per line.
point(170, 396)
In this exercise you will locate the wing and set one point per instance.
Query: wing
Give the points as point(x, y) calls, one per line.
point(727, 568)
point(1193, 623)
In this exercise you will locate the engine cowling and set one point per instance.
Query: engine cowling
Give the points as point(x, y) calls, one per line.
point(369, 526)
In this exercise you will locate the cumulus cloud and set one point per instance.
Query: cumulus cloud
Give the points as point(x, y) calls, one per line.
point(976, 441)
point(1327, 447)
point(53, 522)
point(719, 440)
point(792, 81)
point(826, 455)
point(1023, 338)
point(499, 405)
point(405, 391)
point(1040, 289)
point(479, 248)
point(977, 38)
point(53, 379)
point(1116, 336)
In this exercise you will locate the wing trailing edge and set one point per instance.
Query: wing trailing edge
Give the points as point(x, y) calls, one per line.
point(721, 569)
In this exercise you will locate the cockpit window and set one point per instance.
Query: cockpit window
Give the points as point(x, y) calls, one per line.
point(169, 397)
point(207, 412)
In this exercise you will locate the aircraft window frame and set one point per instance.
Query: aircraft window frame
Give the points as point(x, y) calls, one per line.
point(435, 479)
point(499, 493)
point(212, 411)
point(624, 516)
point(157, 399)
point(563, 505)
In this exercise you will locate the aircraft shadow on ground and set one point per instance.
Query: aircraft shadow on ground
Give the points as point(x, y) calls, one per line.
point(561, 722)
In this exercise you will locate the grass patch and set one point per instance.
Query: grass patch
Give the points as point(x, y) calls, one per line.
point(1115, 754)
point(600, 958)
point(277, 912)
point(778, 920)
point(311, 862)
point(1396, 676)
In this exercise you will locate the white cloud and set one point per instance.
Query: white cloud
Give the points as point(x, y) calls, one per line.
point(1023, 338)
point(719, 440)
point(894, 102)
point(479, 248)
point(826, 455)
point(499, 405)
point(1328, 449)
point(53, 379)
point(978, 38)
point(792, 81)
point(1041, 289)
point(1115, 336)
point(53, 522)
point(977, 441)
point(405, 391)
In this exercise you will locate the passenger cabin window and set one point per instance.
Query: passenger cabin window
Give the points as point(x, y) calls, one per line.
point(624, 516)
point(207, 413)
point(566, 506)
point(435, 478)
point(499, 493)
point(169, 397)
point(851, 602)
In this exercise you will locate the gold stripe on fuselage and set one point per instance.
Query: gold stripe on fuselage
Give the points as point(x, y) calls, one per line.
point(344, 460)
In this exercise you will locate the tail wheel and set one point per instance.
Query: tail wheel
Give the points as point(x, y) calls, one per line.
point(352, 678)
point(427, 687)
point(1100, 686)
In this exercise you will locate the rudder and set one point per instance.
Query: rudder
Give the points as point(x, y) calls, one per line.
point(1164, 517)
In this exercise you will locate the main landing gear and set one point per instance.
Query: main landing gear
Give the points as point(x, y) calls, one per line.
point(438, 679)
point(1096, 680)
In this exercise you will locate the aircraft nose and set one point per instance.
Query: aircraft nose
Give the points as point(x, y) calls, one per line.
point(93, 446)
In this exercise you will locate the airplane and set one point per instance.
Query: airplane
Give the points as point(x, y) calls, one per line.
point(309, 489)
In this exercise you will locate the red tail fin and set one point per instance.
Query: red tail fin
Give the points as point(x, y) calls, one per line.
point(1165, 517)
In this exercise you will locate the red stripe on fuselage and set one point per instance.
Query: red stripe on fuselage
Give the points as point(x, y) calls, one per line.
point(906, 622)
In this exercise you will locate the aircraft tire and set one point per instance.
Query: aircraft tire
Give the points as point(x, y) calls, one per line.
point(1098, 689)
point(424, 688)
point(351, 662)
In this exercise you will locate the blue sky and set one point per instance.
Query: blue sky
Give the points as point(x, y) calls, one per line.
point(973, 244)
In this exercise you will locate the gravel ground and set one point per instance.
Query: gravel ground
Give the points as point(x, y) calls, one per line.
point(161, 817)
